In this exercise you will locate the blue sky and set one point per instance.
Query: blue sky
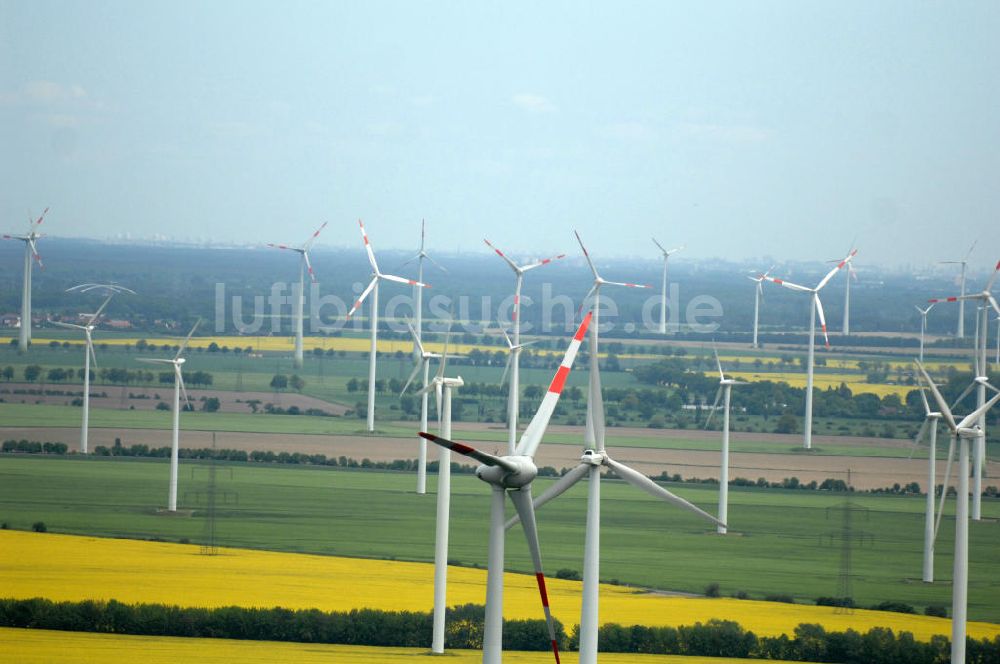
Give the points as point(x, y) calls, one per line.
point(741, 129)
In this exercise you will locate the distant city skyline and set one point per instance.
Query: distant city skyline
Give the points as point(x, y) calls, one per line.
point(741, 130)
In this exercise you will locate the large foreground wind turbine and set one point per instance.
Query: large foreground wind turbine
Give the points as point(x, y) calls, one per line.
point(595, 291)
point(30, 252)
point(88, 351)
point(512, 475)
point(725, 389)
point(514, 361)
point(590, 467)
point(816, 307)
point(962, 433)
point(667, 253)
point(177, 363)
point(417, 336)
point(421, 360)
point(961, 305)
point(373, 289)
point(986, 301)
point(304, 265)
point(758, 297)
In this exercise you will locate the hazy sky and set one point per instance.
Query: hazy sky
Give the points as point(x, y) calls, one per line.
point(740, 129)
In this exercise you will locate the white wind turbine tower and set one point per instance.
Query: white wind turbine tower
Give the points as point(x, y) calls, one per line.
point(442, 388)
point(30, 252)
point(961, 305)
point(512, 475)
point(816, 307)
point(725, 388)
point(667, 253)
point(923, 326)
point(417, 336)
point(930, 531)
point(513, 394)
point(373, 289)
point(757, 299)
point(962, 433)
point(987, 301)
point(177, 362)
point(422, 360)
point(88, 351)
point(298, 305)
point(851, 274)
point(595, 290)
point(590, 467)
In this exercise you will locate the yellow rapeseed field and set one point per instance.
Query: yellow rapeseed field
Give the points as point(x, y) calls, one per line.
point(66, 567)
point(31, 646)
point(856, 382)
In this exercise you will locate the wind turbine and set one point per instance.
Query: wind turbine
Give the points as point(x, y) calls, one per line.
point(514, 350)
point(725, 388)
point(417, 336)
point(930, 424)
point(962, 433)
point(923, 326)
point(512, 475)
point(373, 289)
point(757, 298)
point(442, 388)
point(421, 360)
point(30, 252)
point(961, 304)
point(513, 393)
point(851, 274)
point(177, 362)
point(816, 306)
point(88, 351)
point(663, 298)
point(987, 301)
point(590, 467)
point(595, 291)
point(304, 265)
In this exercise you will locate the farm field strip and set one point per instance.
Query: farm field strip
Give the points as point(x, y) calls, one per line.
point(32, 646)
point(133, 571)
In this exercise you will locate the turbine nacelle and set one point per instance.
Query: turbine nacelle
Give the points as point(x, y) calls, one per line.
point(516, 472)
point(592, 458)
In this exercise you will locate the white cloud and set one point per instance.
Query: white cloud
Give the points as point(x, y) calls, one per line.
point(533, 103)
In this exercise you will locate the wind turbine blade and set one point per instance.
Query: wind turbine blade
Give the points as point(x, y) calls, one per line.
point(834, 271)
point(309, 267)
point(993, 278)
point(444, 352)
point(557, 489)
point(97, 313)
point(718, 364)
point(471, 452)
point(423, 234)
point(368, 247)
point(916, 439)
point(974, 416)
point(676, 249)
point(38, 222)
point(312, 238)
point(945, 484)
point(522, 502)
point(510, 344)
point(597, 407)
point(506, 368)
point(544, 261)
point(970, 251)
point(532, 436)
point(187, 338)
point(436, 264)
point(640, 481)
point(942, 404)
point(403, 280)
point(413, 374)
point(35, 254)
point(627, 285)
point(927, 406)
point(593, 289)
point(966, 392)
point(153, 360)
point(180, 381)
point(660, 247)
point(993, 303)
point(502, 255)
point(788, 284)
point(416, 337)
point(587, 256)
point(822, 319)
point(361, 298)
point(711, 413)
point(69, 326)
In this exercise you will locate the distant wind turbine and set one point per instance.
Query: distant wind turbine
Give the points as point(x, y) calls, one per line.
point(758, 297)
point(725, 388)
point(923, 326)
point(961, 304)
point(299, 303)
point(177, 363)
point(30, 252)
point(667, 253)
point(372, 288)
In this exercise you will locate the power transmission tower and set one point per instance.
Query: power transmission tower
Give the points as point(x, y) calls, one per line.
point(208, 546)
point(849, 537)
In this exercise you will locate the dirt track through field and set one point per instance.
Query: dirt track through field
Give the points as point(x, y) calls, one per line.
point(864, 472)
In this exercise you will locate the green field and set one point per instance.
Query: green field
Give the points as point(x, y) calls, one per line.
point(781, 542)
